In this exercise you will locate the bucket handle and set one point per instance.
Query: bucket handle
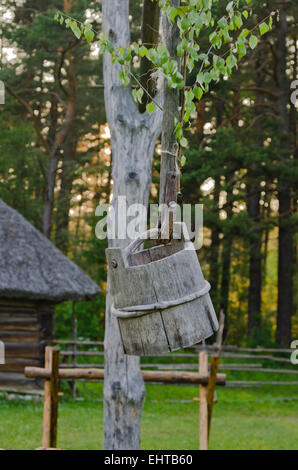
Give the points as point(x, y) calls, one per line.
point(151, 233)
point(135, 244)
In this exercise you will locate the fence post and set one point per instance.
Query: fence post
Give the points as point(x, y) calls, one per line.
point(211, 387)
point(219, 338)
point(203, 369)
point(74, 346)
point(51, 388)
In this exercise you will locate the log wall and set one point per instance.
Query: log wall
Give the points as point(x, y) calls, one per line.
point(25, 329)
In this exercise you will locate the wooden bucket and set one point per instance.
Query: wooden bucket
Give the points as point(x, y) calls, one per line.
point(161, 299)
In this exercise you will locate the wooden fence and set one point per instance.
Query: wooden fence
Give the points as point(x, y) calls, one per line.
point(206, 378)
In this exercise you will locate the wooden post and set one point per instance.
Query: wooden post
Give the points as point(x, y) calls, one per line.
point(211, 387)
point(51, 388)
point(220, 331)
point(74, 346)
point(169, 170)
point(203, 369)
point(213, 370)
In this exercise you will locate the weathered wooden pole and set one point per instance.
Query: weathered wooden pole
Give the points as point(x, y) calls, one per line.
point(220, 332)
point(203, 370)
point(51, 389)
point(211, 387)
point(74, 345)
point(169, 165)
point(214, 368)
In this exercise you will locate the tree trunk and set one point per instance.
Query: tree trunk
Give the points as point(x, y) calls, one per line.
point(215, 227)
point(49, 195)
point(64, 197)
point(226, 266)
point(254, 213)
point(285, 240)
point(133, 137)
point(255, 260)
point(215, 244)
point(150, 33)
point(57, 139)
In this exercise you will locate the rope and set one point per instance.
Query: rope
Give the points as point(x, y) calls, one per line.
point(169, 153)
point(140, 310)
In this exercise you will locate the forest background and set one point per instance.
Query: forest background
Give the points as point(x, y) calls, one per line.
point(241, 162)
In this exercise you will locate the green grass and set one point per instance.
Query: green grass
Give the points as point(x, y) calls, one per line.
point(253, 418)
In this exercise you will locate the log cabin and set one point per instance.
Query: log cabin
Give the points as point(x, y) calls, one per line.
point(34, 277)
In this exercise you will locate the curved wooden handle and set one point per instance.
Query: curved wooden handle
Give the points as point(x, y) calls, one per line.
point(135, 244)
point(152, 234)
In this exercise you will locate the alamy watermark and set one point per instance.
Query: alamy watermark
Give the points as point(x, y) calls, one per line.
point(2, 92)
point(2, 353)
point(294, 355)
point(122, 221)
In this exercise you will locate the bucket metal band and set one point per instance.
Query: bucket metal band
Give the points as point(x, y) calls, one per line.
point(140, 310)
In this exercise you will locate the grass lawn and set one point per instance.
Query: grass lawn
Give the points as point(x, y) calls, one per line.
point(253, 418)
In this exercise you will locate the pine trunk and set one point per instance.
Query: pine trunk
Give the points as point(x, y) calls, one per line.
point(253, 209)
point(285, 241)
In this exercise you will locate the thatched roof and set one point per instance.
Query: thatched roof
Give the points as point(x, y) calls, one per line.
point(31, 267)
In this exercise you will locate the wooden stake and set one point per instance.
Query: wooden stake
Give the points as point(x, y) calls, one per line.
point(74, 346)
point(51, 388)
point(220, 331)
point(203, 369)
point(169, 165)
point(211, 387)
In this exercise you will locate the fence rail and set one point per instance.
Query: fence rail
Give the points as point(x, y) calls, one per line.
point(249, 360)
point(197, 348)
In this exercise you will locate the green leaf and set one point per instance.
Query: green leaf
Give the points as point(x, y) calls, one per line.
point(270, 22)
point(238, 21)
point(264, 28)
point(183, 142)
point(200, 78)
point(143, 51)
point(89, 34)
point(101, 47)
point(183, 160)
point(229, 6)
point(207, 77)
point(222, 22)
point(150, 108)
point(173, 13)
point(231, 61)
point(124, 78)
point(76, 30)
point(253, 41)
point(241, 49)
point(138, 95)
point(198, 92)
